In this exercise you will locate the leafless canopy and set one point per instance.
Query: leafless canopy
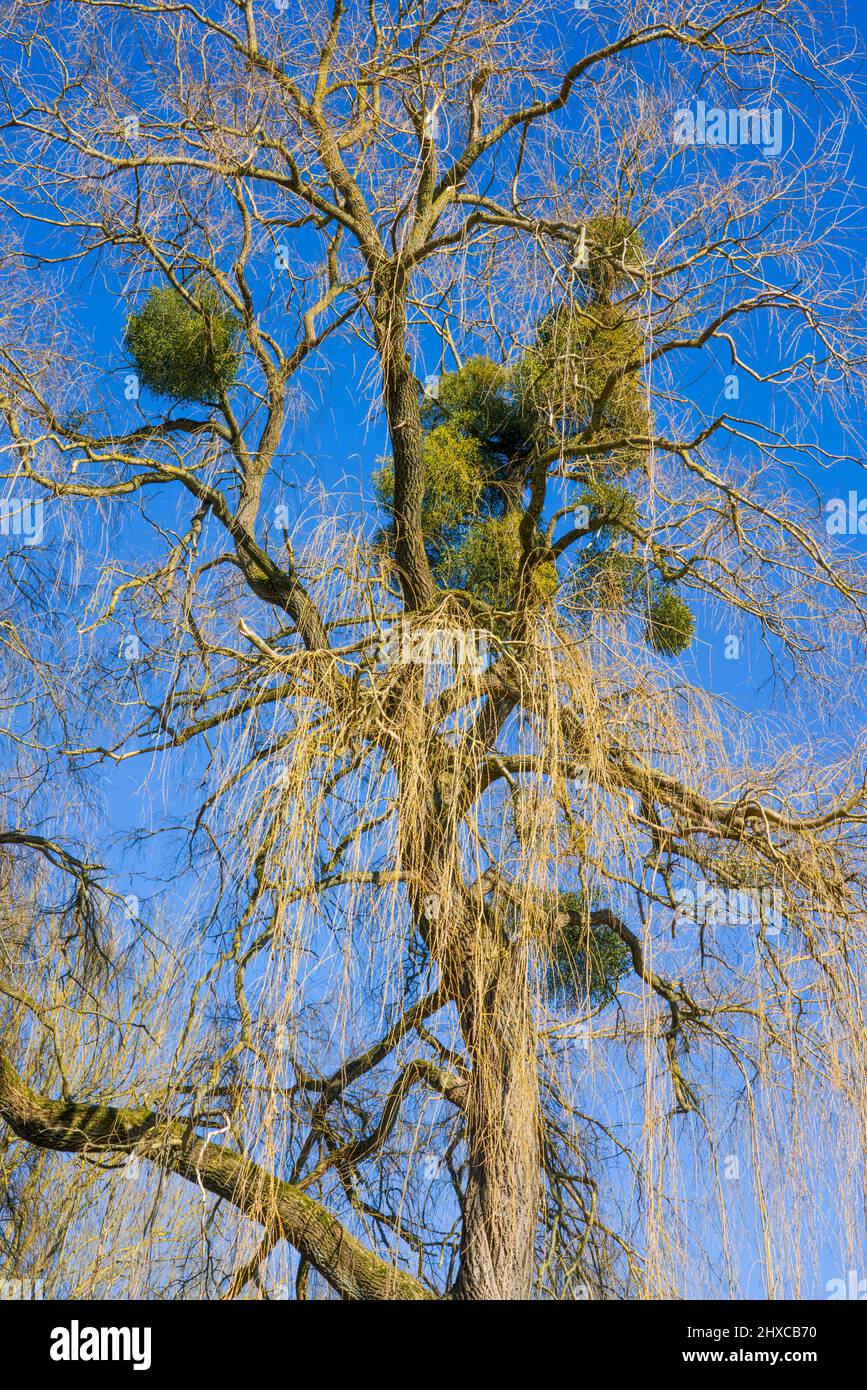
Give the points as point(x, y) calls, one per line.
point(277, 1010)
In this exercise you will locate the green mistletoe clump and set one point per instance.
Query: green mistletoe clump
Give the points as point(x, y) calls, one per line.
point(585, 963)
point(187, 350)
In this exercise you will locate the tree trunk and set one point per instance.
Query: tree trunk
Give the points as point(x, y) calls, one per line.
point(503, 1134)
point(400, 394)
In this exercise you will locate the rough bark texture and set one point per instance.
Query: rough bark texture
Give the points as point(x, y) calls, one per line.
point(503, 1190)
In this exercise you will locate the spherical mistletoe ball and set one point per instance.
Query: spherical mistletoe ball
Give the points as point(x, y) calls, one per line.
point(186, 351)
point(670, 623)
point(585, 962)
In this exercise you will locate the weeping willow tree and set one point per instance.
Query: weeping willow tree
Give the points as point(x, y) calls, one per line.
point(487, 919)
